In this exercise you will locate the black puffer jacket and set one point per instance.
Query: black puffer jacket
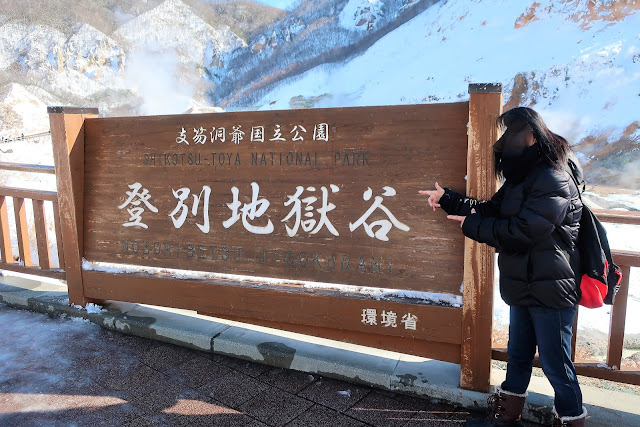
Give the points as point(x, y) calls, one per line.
point(534, 225)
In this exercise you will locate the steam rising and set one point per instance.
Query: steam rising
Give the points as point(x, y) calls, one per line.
point(156, 77)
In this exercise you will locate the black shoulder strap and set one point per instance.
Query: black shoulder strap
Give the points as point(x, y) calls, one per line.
point(574, 172)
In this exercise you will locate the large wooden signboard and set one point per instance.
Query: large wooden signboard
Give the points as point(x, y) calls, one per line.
point(325, 195)
point(328, 196)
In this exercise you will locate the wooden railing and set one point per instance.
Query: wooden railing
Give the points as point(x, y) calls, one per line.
point(24, 137)
point(611, 368)
point(22, 261)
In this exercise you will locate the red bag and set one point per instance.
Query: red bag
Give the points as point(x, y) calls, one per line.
point(600, 276)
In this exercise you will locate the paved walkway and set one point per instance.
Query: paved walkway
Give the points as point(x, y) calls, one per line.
point(67, 371)
point(117, 365)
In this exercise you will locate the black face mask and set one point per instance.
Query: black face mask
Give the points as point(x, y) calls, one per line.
point(516, 167)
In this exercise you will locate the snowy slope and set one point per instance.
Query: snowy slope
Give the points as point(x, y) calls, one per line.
point(24, 108)
point(89, 67)
point(583, 74)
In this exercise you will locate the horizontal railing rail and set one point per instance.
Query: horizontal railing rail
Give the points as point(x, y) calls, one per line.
point(21, 167)
point(25, 193)
point(611, 369)
point(618, 217)
point(23, 137)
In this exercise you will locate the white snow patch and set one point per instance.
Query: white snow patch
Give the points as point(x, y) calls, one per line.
point(357, 10)
point(376, 293)
point(94, 308)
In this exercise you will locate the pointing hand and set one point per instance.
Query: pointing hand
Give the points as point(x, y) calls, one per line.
point(434, 196)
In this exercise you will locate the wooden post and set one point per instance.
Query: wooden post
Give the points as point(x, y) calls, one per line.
point(67, 136)
point(574, 336)
point(618, 318)
point(485, 106)
point(22, 231)
point(56, 219)
point(6, 254)
point(42, 239)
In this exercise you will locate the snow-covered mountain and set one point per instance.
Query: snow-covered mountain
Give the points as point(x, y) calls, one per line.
point(89, 67)
point(173, 26)
point(576, 61)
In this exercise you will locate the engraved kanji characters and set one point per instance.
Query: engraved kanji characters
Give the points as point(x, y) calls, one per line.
point(237, 134)
point(218, 134)
point(137, 199)
point(296, 131)
point(250, 211)
point(182, 194)
point(321, 132)
point(309, 222)
point(182, 138)
point(369, 316)
point(389, 319)
point(410, 321)
point(257, 134)
point(199, 137)
point(383, 225)
point(277, 134)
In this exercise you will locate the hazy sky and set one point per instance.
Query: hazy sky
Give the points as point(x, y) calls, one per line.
point(282, 4)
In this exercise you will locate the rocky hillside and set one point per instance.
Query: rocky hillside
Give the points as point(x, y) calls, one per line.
point(109, 52)
point(314, 34)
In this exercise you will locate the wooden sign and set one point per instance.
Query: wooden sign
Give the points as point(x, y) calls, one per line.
point(324, 195)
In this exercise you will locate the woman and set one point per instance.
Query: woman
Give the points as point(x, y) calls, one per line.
point(533, 221)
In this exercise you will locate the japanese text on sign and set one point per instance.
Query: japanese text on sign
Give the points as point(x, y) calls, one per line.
point(256, 134)
point(388, 319)
point(139, 199)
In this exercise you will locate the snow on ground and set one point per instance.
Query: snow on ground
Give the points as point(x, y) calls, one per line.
point(376, 293)
point(46, 339)
point(24, 108)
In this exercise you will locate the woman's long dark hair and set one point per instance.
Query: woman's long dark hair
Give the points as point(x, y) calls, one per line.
point(554, 149)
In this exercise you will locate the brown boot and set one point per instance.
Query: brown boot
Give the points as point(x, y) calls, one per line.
point(570, 421)
point(506, 410)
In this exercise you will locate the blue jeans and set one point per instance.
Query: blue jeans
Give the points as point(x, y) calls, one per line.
point(549, 329)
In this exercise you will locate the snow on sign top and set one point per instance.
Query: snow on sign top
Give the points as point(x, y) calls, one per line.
point(325, 195)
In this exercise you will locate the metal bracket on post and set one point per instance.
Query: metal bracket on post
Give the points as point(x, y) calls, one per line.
point(485, 106)
point(67, 136)
point(485, 88)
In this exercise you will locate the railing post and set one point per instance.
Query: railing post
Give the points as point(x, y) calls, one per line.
point(6, 254)
point(485, 106)
point(42, 238)
point(67, 136)
point(617, 322)
point(22, 231)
